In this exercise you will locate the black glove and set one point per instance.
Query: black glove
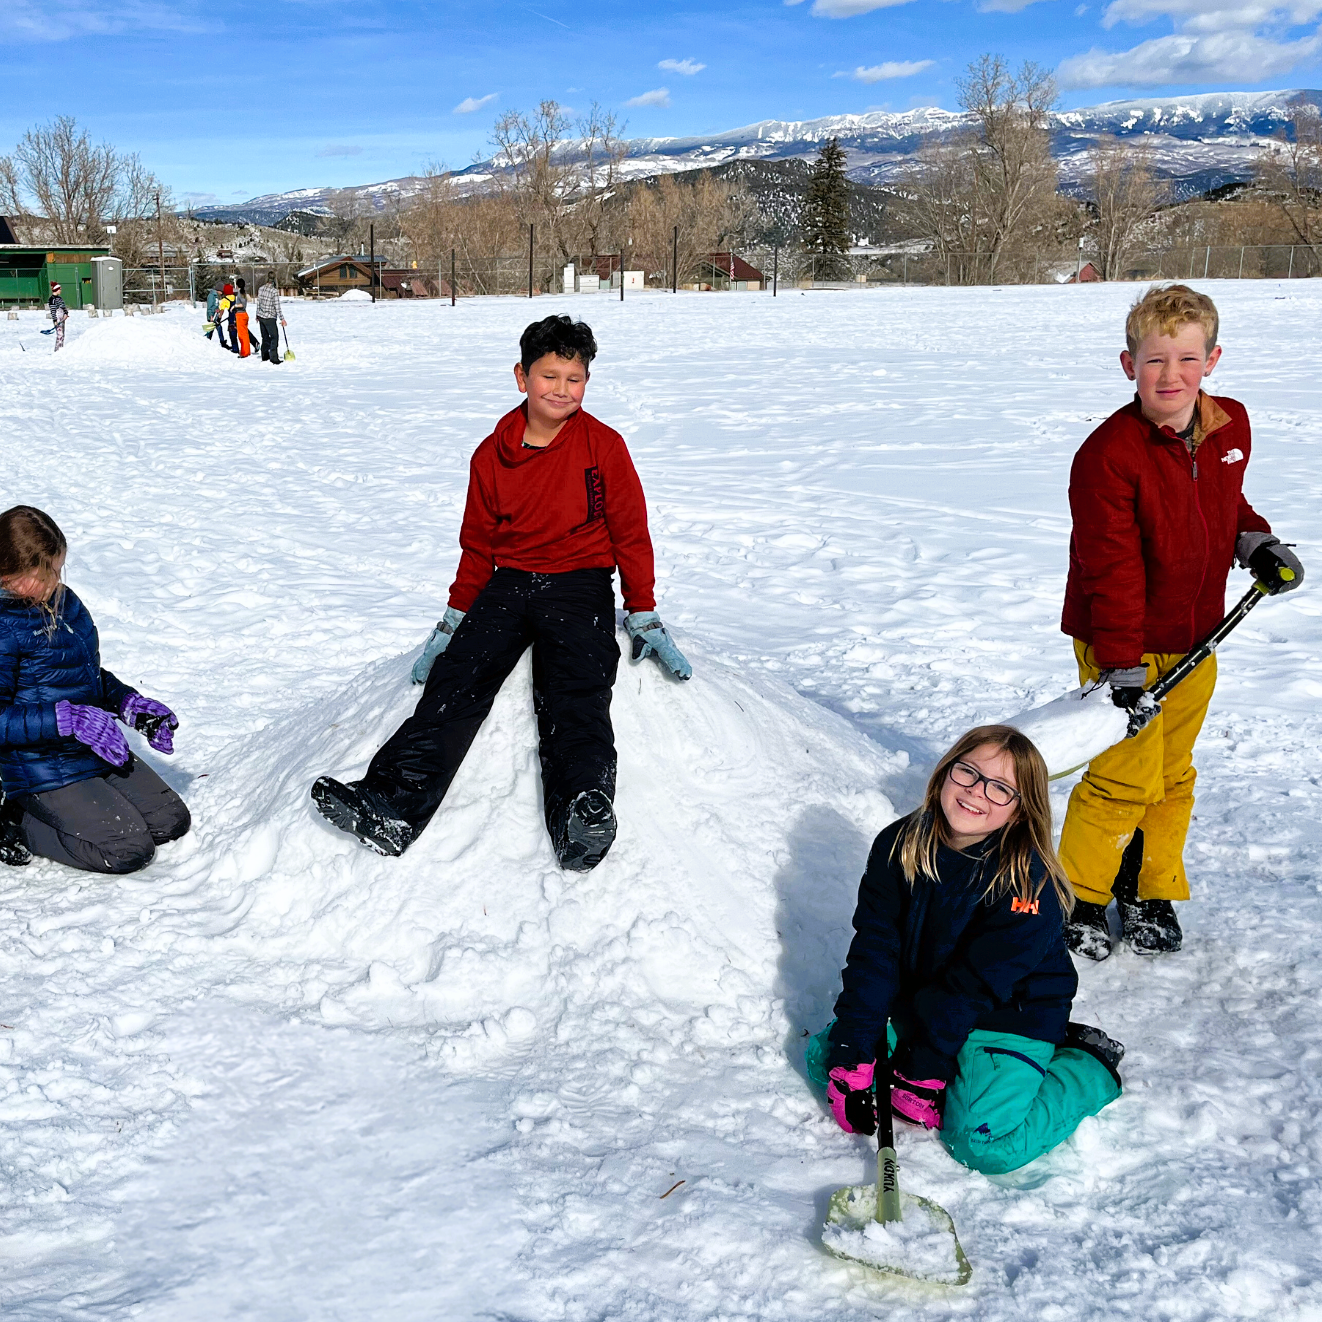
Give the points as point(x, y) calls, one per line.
point(1276, 567)
point(1127, 692)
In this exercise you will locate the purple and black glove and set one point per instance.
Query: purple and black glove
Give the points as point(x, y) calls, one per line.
point(95, 728)
point(153, 718)
point(850, 1095)
point(920, 1101)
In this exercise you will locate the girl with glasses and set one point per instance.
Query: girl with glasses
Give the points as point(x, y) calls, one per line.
point(957, 992)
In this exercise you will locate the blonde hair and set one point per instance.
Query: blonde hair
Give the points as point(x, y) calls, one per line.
point(1166, 308)
point(1028, 832)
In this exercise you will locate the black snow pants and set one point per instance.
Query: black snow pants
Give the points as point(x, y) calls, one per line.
point(569, 621)
point(270, 339)
point(107, 823)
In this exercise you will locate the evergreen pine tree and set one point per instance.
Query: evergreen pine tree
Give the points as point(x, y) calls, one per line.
point(826, 213)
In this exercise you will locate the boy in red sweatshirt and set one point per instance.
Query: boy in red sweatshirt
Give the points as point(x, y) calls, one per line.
point(1159, 517)
point(554, 506)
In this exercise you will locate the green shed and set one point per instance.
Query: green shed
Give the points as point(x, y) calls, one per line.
point(26, 273)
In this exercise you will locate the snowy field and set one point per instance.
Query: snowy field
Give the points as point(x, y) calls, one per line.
point(277, 1077)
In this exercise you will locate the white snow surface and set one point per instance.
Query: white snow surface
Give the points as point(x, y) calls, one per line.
point(274, 1075)
point(919, 1244)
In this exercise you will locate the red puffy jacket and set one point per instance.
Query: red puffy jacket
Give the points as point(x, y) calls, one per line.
point(1155, 530)
point(574, 504)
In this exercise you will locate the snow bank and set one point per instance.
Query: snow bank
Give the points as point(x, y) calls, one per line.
point(355, 296)
point(477, 936)
point(148, 341)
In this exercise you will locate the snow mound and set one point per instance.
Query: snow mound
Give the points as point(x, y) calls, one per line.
point(745, 813)
point(160, 341)
point(355, 296)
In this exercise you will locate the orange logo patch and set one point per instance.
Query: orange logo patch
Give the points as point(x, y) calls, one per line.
point(1023, 906)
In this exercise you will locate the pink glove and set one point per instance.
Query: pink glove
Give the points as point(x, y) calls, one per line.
point(95, 728)
point(850, 1094)
point(918, 1100)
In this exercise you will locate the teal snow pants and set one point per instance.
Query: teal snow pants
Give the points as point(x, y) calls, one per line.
point(1013, 1097)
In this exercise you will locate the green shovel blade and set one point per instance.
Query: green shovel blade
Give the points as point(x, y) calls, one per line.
point(920, 1246)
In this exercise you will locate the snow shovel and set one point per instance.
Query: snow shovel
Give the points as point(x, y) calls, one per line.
point(1073, 729)
point(289, 353)
point(895, 1233)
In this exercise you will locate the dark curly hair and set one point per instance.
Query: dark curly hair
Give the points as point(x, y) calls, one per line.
point(562, 336)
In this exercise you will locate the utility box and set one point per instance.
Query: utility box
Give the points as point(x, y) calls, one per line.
point(635, 279)
point(567, 282)
point(589, 284)
point(107, 283)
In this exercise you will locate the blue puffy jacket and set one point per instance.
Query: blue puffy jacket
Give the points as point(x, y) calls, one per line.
point(938, 960)
point(39, 667)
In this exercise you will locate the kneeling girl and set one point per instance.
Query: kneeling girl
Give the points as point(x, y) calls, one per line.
point(958, 986)
point(81, 798)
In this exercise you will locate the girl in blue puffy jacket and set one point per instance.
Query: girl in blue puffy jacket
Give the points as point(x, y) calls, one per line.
point(956, 1004)
point(74, 792)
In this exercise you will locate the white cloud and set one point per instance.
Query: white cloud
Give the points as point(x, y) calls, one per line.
point(1214, 15)
point(1003, 6)
point(60, 20)
point(850, 8)
point(472, 103)
point(658, 96)
point(890, 69)
point(1186, 57)
point(686, 67)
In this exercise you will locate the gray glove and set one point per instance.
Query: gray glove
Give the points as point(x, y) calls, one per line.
point(1272, 563)
point(1127, 692)
point(650, 638)
point(437, 641)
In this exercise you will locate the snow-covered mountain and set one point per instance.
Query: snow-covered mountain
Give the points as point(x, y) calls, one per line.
point(1200, 142)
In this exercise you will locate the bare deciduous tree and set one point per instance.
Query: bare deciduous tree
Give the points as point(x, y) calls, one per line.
point(710, 214)
point(1126, 193)
point(1290, 170)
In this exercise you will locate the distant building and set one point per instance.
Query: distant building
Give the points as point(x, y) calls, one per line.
point(336, 275)
point(26, 273)
point(727, 270)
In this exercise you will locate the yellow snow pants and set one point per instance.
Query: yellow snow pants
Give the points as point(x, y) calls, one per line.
point(1142, 782)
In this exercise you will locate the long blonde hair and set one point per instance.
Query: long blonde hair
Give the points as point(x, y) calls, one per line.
point(31, 542)
point(1028, 832)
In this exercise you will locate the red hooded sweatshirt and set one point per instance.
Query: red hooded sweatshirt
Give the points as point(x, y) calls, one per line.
point(1155, 530)
point(574, 504)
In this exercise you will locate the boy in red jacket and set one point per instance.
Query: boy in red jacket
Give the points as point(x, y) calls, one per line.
point(554, 506)
point(1159, 518)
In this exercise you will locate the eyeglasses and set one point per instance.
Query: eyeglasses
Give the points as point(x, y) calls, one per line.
point(997, 791)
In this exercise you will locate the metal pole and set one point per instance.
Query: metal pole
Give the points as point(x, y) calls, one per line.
point(530, 235)
point(1241, 261)
point(622, 275)
point(1290, 276)
point(452, 290)
point(775, 269)
point(1207, 261)
point(674, 262)
point(160, 247)
point(371, 239)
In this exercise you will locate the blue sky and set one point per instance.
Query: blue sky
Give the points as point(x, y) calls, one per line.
point(229, 100)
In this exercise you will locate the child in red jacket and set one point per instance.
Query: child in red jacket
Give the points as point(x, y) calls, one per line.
point(1159, 518)
point(554, 506)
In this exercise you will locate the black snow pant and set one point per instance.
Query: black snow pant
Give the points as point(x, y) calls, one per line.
point(569, 620)
point(108, 823)
point(270, 339)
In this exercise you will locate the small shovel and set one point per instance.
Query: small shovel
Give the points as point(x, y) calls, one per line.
point(896, 1233)
point(289, 353)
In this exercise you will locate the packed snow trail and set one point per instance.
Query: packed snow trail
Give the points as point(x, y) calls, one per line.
point(274, 1075)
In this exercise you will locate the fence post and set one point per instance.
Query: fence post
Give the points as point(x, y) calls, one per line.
point(530, 235)
point(775, 269)
point(621, 275)
point(1207, 261)
point(906, 268)
point(452, 288)
point(1291, 274)
point(1241, 262)
point(674, 262)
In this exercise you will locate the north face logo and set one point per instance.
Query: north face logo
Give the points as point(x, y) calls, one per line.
point(1232, 456)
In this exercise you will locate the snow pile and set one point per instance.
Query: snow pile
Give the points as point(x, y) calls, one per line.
point(1075, 728)
point(355, 296)
point(149, 341)
point(921, 1244)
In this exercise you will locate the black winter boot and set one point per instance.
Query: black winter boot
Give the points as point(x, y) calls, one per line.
point(13, 850)
point(364, 813)
point(587, 832)
point(1087, 932)
point(1083, 1037)
point(1149, 927)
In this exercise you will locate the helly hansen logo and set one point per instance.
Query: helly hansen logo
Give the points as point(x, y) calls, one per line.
point(1024, 906)
point(596, 494)
point(1232, 456)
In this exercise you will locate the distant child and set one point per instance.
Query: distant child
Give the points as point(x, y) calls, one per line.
point(225, 316)
point(268, 315)
point(59, 314)
point(958, 986)
point(213, 305)
point(84, 799)
point(554, 506)
point(239, 321)
point(1159, 518)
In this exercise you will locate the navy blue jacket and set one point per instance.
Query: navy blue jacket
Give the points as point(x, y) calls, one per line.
point(939, 960)
point(38, 668)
